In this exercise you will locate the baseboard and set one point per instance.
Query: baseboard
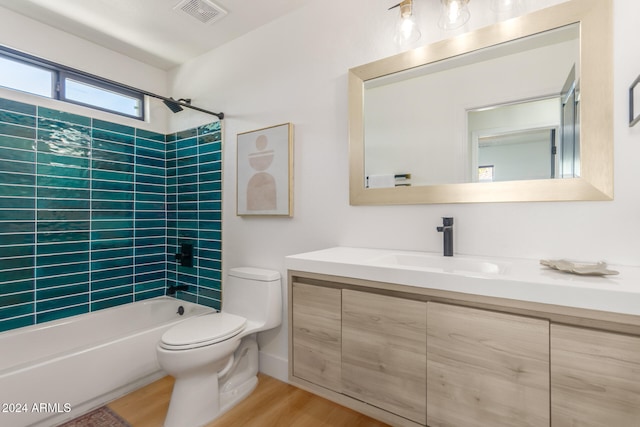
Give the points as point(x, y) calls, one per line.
point(274, 366)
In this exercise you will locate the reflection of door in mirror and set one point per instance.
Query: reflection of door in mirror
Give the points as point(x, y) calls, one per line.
point(522, 140)
point(570, 135)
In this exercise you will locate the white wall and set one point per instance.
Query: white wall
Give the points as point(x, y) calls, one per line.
point(295, 70)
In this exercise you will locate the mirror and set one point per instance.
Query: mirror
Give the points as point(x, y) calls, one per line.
point(518, 111)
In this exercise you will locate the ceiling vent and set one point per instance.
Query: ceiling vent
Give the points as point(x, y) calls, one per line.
point(202, 10)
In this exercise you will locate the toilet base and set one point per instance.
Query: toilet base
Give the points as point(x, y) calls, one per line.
point(200, 399)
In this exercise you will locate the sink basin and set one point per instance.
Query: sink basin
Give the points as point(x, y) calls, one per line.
point(441, 263)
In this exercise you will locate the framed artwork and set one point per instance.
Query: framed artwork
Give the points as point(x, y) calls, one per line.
point(265, 171)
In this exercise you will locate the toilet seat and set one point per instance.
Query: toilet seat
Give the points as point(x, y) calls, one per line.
point(202, 331)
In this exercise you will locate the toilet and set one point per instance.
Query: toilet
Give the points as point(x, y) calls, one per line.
point(214, 357)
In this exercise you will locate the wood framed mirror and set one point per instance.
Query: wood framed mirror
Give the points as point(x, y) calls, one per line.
point(456, 167)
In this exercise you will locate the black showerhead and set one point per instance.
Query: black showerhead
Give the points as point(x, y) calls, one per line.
point(174, 105)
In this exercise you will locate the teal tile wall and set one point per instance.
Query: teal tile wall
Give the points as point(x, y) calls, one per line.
point(194, 211)
point(90, 210)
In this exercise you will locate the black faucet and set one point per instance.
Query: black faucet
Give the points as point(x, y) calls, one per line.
point(447, 229)
point(171, 290)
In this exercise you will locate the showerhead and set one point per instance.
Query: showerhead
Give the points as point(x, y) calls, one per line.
point(174, 105)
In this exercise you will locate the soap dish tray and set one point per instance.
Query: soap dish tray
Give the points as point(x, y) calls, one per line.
point(583, 269)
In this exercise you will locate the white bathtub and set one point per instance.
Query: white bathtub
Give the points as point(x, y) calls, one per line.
point(55, 371)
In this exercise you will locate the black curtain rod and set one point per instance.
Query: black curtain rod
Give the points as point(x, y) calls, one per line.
point(39, 61)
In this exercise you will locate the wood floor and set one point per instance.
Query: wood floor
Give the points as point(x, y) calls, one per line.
point(272, 404)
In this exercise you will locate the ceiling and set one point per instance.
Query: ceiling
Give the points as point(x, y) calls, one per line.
point(153, 31)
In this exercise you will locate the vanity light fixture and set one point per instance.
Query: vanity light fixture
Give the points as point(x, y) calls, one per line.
point(407, 31)
point(455, 13)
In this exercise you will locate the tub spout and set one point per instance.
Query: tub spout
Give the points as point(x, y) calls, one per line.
point(173, 289)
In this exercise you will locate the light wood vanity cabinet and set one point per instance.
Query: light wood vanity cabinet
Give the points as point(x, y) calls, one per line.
point(384, 343)
point(595, 378)
point(317, 340)
point(486, 368)
point(415, 356)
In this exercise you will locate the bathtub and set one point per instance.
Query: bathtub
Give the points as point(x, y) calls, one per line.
point(55, 371)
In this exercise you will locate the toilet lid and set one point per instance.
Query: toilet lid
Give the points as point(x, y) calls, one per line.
point(203, 330)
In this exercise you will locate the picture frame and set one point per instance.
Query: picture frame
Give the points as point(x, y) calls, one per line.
point(634, 117)
point(264, 172)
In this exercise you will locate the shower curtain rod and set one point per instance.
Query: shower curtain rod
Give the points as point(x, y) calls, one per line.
point(39, 61)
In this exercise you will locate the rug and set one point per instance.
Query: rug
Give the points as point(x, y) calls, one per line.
point(101, 417)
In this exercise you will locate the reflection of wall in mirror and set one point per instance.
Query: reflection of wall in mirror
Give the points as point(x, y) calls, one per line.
point(426, 135)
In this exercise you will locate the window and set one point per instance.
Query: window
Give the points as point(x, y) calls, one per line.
point(33, 75)
point(26, 78)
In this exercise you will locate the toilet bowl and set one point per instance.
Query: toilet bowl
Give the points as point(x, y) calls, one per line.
point(214, 357)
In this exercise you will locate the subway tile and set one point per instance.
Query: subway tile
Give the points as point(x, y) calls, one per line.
point(62, 258)
point(61, 161)
point(44, 170)
point(85, 207)
point(110, 282)
point(65, 215)
point(62, 313)
point(16, 167)
point(16, 215)
point(16, 311)
point(17, 322)
point(100, 305)
point(152, 136)
point(66, 280)
point(61, 291)
point(66, 247)
point(17, 155)
point(104, 135)
point(17, 203)
point(16, 130)
point(57, 303)
point(62, 116)
point(9, 237)
point(26, 285)
point(16, 299)
point(59, 270)
point(62, 181)
point(142, 295)
point(113, 166)
point(112, 292)
point(109, 176)
point(75, 204)
point(17, 191)
point(116, 147)
point(18, 107)
point(19, 262)
point(64, 236)
point(15, 251)
point(10, 179)
point(113, 127)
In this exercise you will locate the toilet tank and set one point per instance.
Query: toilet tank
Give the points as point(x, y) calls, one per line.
point(255, 294)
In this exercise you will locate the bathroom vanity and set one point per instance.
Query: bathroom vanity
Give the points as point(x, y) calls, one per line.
point(417, 339)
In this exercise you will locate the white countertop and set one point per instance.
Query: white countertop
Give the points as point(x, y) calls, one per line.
point(519, 279)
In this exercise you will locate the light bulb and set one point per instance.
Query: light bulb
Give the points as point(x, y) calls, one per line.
point(407, 31)
point(455, 13)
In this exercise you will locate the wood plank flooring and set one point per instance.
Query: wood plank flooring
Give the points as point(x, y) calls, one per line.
point(272, 404)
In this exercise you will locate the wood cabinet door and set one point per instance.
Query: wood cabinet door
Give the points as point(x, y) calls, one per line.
point(384, 352)
point(595, 378)
point(317, 339)
point(486, 368)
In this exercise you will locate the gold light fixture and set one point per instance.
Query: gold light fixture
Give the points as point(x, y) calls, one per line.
point(407, 31)
point(455, 13)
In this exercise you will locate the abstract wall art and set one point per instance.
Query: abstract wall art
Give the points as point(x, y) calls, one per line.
point(265, 171)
